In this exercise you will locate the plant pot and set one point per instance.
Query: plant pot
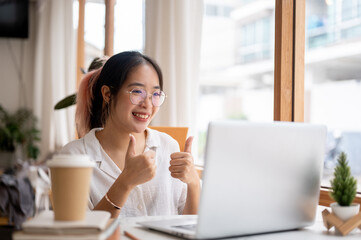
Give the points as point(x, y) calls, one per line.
point(345, 212)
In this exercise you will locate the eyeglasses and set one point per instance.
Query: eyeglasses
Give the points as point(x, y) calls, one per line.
point(138, 96)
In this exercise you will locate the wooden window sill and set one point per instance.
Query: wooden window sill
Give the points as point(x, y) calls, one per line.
point(326, 200)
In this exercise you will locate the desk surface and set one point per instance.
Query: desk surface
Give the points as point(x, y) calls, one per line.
point(316, 231)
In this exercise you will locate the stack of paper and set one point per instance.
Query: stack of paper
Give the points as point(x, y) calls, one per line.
point(97, 225)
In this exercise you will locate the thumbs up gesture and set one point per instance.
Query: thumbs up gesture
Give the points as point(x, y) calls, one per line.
point(140, 168)
point(182, 164)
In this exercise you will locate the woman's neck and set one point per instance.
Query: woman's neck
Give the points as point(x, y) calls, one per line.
point(116, 139)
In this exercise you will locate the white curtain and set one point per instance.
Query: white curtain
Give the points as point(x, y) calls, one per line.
point(54, 75)
point(173, 39)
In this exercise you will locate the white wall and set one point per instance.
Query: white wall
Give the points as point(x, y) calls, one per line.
point(16, 60)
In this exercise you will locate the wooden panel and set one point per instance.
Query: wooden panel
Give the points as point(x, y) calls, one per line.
point(299, 61)
point(109, 27)
point(80, 43)
point(325, 199)
point(283, 70)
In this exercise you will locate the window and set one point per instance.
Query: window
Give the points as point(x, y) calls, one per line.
point(236, 79)
point(128, 27)
point(254, 41)
point(94, 31)
point(333, 79)
point(351, 9)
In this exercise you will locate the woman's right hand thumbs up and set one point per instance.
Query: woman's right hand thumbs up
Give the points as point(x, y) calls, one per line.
point(140, 168)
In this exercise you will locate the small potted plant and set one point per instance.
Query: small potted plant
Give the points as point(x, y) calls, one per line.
point(18, 136)
point(344, 187)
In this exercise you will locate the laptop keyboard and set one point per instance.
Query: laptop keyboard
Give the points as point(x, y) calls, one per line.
point(190, 227)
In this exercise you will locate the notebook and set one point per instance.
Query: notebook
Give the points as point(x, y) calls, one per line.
point(97, 226)
point(257, 178)
point(44, 223)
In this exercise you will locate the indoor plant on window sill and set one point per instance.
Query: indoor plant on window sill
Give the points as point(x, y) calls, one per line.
point(344, 187)
point(18, 135)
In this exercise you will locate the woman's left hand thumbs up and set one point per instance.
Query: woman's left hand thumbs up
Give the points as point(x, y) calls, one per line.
point(182, 164)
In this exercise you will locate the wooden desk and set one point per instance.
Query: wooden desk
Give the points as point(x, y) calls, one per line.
point(316, 231)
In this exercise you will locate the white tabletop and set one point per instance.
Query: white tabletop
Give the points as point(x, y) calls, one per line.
point(316, 231)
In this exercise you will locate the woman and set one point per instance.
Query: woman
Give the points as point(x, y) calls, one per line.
point(139, 171)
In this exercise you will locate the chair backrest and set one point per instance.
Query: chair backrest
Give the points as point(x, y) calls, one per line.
point(178, 133)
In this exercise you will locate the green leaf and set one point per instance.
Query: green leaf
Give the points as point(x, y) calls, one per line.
point(66, 102)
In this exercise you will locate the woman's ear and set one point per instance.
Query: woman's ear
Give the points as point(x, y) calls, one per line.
point(106, 93)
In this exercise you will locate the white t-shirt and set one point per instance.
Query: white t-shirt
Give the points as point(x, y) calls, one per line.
point(163, 195)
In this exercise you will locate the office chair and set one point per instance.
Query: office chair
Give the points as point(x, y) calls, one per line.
point(178, 133)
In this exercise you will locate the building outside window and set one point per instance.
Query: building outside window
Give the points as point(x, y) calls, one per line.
point(237, 51)
point(333, 78)
point(237, 71)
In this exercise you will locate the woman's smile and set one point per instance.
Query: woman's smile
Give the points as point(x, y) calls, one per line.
point(141, 116)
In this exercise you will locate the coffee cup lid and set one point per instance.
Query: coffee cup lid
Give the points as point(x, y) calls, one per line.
point(67, 160)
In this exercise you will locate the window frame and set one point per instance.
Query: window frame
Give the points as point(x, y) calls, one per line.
point(109, 35)
point(80, 51)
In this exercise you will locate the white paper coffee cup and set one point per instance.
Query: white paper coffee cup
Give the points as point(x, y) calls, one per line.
point(70, 183)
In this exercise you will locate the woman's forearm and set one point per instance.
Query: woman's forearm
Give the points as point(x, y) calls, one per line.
point(117, 194)
point(192, 201)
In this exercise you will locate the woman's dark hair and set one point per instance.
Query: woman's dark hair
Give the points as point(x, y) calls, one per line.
point(114, 74)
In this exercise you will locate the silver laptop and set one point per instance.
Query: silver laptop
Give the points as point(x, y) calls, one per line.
point(257, 178)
